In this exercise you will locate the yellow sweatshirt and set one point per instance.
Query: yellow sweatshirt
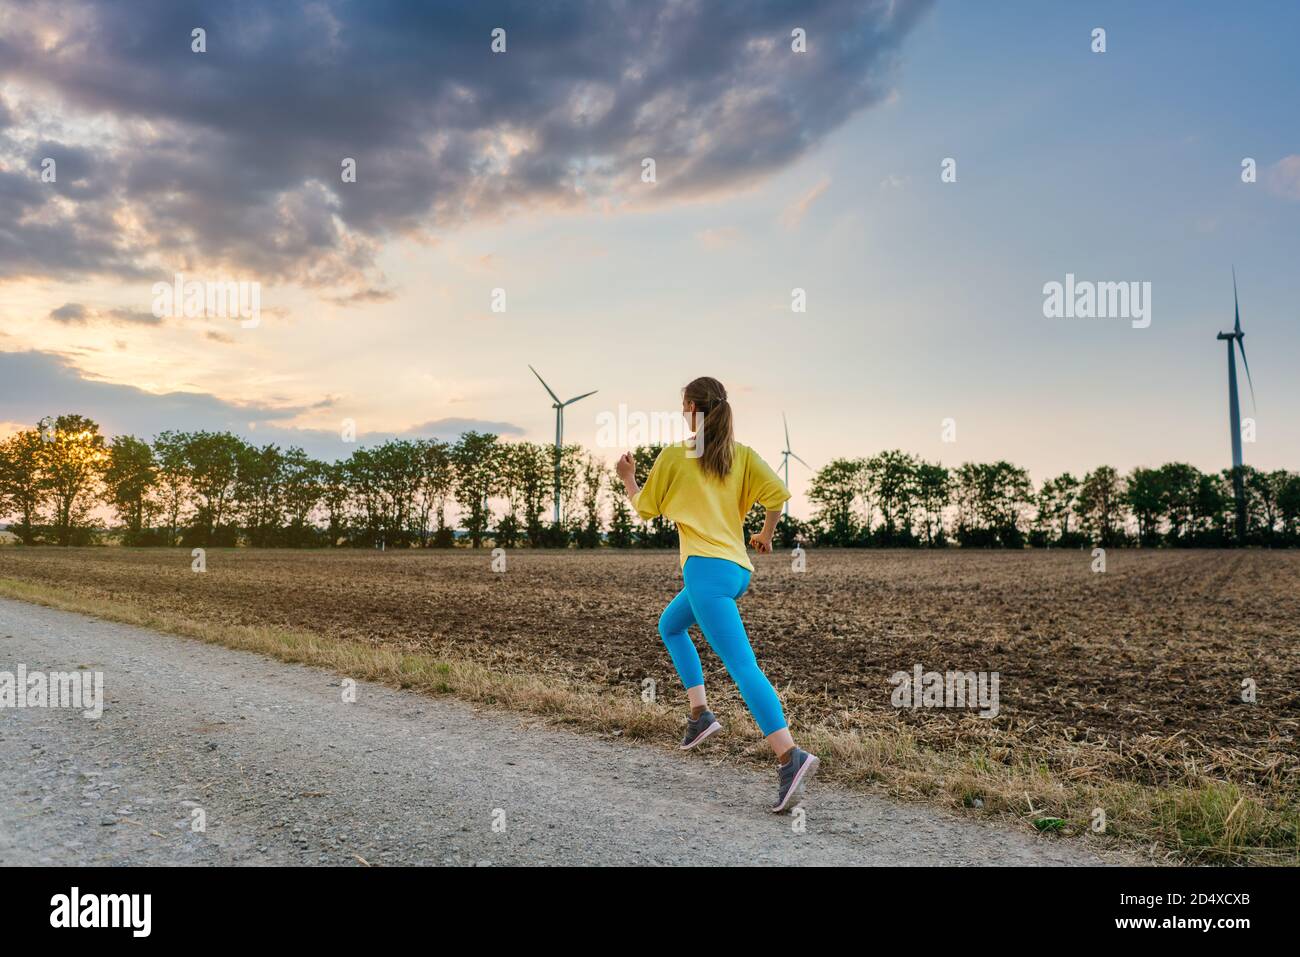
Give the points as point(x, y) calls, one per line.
point(709, 513)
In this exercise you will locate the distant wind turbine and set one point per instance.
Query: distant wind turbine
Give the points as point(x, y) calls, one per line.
point(1235, 339)
point(786, 456)
point(558, 406)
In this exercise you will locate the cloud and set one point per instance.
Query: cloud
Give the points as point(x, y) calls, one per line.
point(28, 380)
point(363, 296)
point(793, 214)
point(133, 317)
point(1283, 177)
point(443, 131)
point(78, 314)
point(70, 313)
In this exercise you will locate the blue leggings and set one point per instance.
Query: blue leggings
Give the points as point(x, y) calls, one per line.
point(709, 600)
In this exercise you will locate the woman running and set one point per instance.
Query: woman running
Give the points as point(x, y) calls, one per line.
point(707, 490)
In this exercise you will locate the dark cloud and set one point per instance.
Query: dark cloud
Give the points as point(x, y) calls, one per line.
point(29, 379)
point(76, 313)
point(71, 313)
point(39, 238)
point(76, 173)
point(132, 317)
point(234, 155)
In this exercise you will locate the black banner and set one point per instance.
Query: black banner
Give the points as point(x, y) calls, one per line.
point(300, 905)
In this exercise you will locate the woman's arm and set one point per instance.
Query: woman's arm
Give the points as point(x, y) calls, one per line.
point(762, 542)
point(770, 492)
point(626, 469)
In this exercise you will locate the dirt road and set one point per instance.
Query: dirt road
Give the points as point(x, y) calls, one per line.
point(285, 771)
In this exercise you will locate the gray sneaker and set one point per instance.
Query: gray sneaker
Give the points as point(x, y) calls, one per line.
point(792, 776)
point(697, 729)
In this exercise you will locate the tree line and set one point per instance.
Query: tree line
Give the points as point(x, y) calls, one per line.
point(897, 499)
point(217, 489)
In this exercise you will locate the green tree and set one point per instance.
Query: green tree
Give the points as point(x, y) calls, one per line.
point(893, 476)
point(303, 487)
point(129, 481)
point(570, 486)
point(1261, 496)
point(1101, 505)
point(434, 487)
point(1288, 504)
point(1144, 494)
point(532, 464)
point(992, 499)
point(173, 481)
point(620, 523)
point(1214, 511)
point(1055, 502)
point(336, 499)
point(385, 481)
point(399, 472)
point(258, 495)
point(476, 459)
point(1180, 483)
point(23, 491)
point(73, 458)
point(213, 463)
point(593, 479)
point(366, 497)
point(833, 492)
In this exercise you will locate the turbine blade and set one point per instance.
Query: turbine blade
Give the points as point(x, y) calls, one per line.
point(583, 396)
point(787, 430)
point(1242, 344)
point(1236, 310)
point(544, 385)
point(801, 461)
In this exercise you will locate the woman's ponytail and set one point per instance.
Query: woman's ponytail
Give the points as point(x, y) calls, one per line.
point(715, 435)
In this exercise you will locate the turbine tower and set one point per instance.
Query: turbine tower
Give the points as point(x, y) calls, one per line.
point(786, 456)
point(558, 406)
point(1235, 340)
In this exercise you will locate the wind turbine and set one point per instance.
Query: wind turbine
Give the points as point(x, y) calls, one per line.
point(558, 406)
point(786, 456)
point(1235, 340)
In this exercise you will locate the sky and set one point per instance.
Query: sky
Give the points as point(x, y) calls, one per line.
point(774, 170)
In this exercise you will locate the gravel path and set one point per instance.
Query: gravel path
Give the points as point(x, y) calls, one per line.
point(286, 772)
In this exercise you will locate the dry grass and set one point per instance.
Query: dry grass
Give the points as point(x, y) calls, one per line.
point(1168, 797)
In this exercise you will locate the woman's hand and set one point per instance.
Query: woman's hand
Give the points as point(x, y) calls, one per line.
point(762, 541)
point(626, 469)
